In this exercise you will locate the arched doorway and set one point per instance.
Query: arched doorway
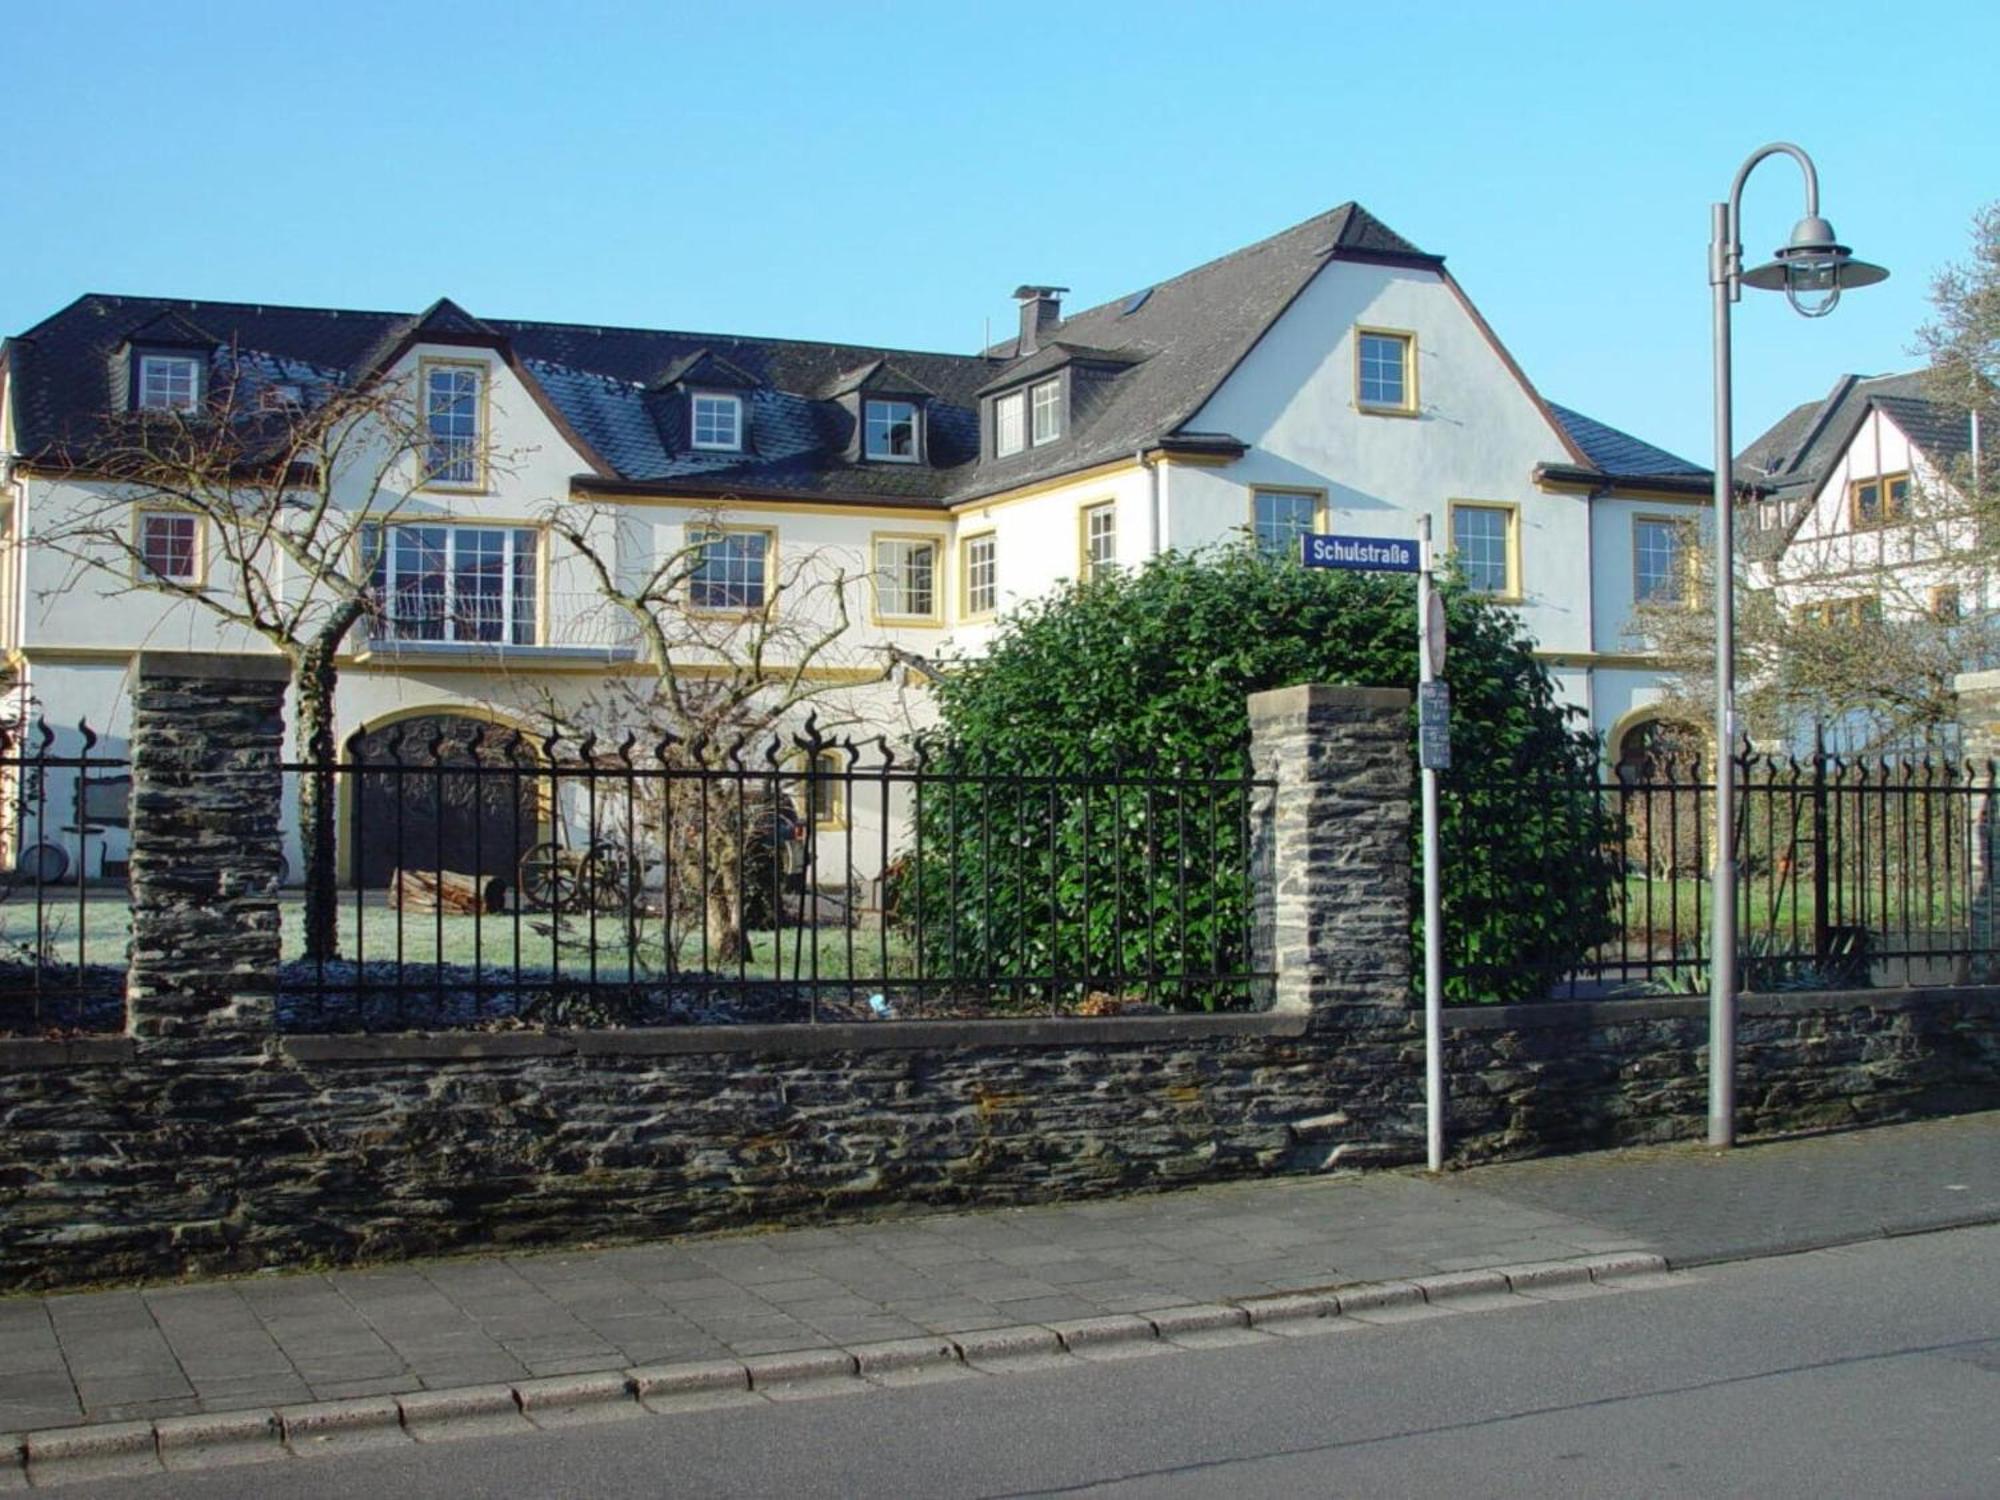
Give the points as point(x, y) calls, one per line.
point(441, 791)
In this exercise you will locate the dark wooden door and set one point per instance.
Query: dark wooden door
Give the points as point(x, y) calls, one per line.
point(422, 805)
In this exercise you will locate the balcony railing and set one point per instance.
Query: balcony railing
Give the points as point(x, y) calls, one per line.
point(421, 620)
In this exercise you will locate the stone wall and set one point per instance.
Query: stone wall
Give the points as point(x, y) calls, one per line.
point(200, 1143)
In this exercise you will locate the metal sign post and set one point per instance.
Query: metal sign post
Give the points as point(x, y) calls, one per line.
point(1374, 554)
point(1433, 755)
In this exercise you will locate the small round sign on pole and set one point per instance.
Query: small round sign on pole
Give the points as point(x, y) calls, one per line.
point(1434, 630)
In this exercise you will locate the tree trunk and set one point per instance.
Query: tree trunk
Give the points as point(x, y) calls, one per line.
point(726, 939)
point(316, 678)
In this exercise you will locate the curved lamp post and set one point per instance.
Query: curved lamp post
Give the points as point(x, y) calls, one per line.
point(1812, 270)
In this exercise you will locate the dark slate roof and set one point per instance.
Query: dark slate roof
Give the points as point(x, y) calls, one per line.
point(1619, 454)
point(1139, 376)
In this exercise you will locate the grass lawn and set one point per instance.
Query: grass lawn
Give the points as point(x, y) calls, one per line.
point(373, 933)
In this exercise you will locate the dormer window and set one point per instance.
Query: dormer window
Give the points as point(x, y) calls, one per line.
point(454, 409)
point(1046, 402)
point(1010, 424)
point(718, 422)
point(169, 382)
point(889, 431)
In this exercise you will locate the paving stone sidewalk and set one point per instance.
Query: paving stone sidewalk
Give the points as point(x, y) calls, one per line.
point(276, 1339)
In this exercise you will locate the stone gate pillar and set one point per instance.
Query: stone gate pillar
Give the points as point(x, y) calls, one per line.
point(1331, 849)
point(1979, 738)
point(207, 796)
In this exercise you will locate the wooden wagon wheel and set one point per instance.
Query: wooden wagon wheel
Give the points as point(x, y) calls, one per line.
point(547, 877)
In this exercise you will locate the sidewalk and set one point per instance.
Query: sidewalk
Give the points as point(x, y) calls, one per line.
point(280, 1339)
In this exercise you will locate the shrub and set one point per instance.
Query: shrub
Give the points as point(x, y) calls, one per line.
point(1151, 667)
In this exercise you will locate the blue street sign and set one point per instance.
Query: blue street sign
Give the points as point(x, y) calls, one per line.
point(1365, 554)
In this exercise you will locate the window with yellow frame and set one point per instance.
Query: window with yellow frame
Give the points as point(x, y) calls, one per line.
point(453, 395)
point(1097, 538)
point(1879, 501)
point(979, 575)
point(1385, 371)
point(1486, 544)
point(823, 795)
point(1850, 613)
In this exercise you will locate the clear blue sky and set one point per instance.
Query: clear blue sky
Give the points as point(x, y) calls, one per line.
point(887, 173)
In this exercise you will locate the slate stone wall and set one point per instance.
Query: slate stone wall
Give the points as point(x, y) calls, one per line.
point(200, 1144)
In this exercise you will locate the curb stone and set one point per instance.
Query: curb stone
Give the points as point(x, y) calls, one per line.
point(215, 1440)
point(1115, 1336)
point(1468, 1291)
point(316, 1427)
point(572, 1400)
point(1624, 1263)
point(1293, 1313)
point(803, 1374)
point(905, 1362)
point(13, 1461)
point(114, 1450)
point(462, 1412)
point(1540, 1276)
point(1023, 1346)
point(695, 1386)
point(1204, 1325)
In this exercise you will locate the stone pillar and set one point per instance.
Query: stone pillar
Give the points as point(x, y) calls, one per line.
point(1979, 738)
point(1331, 846)
point(207, 795)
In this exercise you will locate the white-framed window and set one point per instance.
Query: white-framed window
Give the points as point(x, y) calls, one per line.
point(169, 382)
point(1383, 379)
point(1482, 539)
point(981, 563)
point(1010, 424)
point(1100, 538)
point(718, 421)
point(1659, 560)
point(1280, 517)
point(452, 399)
point(456, 583)
point(733, 571)
point(1046, 400)
point(906, 578)
point(170, 545)
point(889, 431)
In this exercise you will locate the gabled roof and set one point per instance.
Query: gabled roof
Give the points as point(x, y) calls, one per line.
point(1191, 331)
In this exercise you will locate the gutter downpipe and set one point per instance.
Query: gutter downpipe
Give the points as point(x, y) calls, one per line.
point(1152, 468)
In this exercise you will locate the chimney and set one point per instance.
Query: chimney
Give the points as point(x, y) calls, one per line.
point(1041, 310)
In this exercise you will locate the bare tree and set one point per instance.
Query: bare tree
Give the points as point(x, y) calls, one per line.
point(739, 645)
point(289, 483)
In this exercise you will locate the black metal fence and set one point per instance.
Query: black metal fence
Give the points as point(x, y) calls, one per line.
point(64, 908)
point(1852, 872)
point(484, 878)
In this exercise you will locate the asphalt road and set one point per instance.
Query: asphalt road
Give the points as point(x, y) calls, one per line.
point(1870, 1370)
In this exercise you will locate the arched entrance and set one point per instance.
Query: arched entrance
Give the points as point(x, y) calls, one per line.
point(441, 791)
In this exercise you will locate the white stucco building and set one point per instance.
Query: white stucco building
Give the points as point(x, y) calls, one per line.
point(1332, 377)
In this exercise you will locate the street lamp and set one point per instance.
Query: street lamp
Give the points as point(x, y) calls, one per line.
point(1812, 270)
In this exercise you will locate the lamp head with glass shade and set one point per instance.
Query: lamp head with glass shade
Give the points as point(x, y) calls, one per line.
point(1813, 270)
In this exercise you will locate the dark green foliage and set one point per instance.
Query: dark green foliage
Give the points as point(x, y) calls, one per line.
point(1149, 670)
